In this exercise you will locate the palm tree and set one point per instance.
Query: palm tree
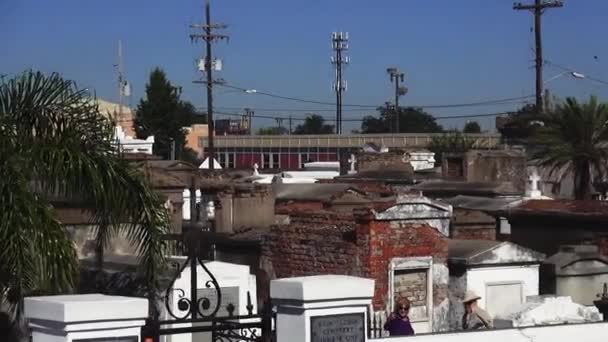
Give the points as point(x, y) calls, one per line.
point(573, 141)
point(54, 143)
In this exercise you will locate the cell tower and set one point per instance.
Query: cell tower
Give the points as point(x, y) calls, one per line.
point(339, 43)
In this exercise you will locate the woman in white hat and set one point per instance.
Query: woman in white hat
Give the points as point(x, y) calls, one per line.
point(474, 317)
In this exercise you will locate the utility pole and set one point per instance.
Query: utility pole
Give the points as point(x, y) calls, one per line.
point(124, 89)
point(209, 37)
point(279, 124)
point(397, 77)
point(339, 43)
point(289, 125)
point(249, 114)
point(538, 9)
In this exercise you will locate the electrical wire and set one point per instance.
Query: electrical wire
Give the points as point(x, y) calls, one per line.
point(369, 106)
point(573, 70)
point(466, 116)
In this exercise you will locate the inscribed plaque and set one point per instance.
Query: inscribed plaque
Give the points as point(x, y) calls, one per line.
point(338, 328)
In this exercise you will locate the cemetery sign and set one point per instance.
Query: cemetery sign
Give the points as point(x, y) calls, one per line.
point(338, 328)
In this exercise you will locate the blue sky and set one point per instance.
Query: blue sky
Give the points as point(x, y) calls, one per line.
point(451, 51)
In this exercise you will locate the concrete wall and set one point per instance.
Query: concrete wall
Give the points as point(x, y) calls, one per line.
point(591, 332)
point(583, 290)
point(238, 210)
point(546, 235)
point(477, 279)
point(472, 225)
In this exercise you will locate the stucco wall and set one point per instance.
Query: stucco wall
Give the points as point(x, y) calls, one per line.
point(583, 290)
point(592, 332)
point(478, 278)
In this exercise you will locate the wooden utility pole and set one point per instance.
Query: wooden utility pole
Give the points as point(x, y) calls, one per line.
point(209, 37)
point(397, 77)
point(538, 9)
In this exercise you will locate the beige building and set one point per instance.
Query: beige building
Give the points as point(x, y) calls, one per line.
point(194, 135)
point(122, 114)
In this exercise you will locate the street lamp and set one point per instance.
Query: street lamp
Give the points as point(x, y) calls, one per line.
point(574, 74)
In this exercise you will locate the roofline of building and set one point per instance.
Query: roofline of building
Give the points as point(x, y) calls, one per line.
point(401, 140)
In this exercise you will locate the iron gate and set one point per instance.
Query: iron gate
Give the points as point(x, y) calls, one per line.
point(197, 314)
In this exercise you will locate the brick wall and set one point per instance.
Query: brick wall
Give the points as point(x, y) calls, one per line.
point(388, 240)
point(287, 207)
point(337, 243)
point(411, 284)
point(318, 244)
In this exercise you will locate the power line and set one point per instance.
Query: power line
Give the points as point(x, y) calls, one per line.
point(572, 70)
point(277, 117)
point(371, 106)
point(318, 110)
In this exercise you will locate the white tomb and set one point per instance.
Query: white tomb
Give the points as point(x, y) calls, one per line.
point(86, 317)
point(541, 310)
point(129, 144)
point(322, 308)
point(421, 160)
point(236, 284)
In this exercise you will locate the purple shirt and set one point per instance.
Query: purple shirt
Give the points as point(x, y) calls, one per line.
point(399, 327)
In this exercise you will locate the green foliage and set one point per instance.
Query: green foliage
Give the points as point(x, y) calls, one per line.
point(272, 131)
point(573, 140)
point(411, 120)
point(55, 144)
point(453, 142)
point(519, 126)
point(471, 127)
point(314, 124)
point(164, 115)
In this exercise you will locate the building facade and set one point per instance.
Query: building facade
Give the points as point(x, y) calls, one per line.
point(290, 152)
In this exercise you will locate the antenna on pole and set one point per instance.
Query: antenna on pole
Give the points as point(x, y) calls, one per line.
point(120, 80)
point(124, 88)
point(339, 43)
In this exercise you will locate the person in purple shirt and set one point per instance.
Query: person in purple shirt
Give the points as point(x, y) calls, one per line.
point(398, 323)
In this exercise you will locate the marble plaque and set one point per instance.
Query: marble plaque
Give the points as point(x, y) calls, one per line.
point(338, 328)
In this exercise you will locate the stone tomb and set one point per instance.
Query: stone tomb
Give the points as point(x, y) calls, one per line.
point(503, 274)
point(234, 280)
point(326, 308)
point(88, 317)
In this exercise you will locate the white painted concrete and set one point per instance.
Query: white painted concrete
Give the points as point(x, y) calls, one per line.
point(592, 332)
point(205, 164)
point(129, 144)
point(311, 174)
point(478, 280)
point(234, 280)
point(300, 299)
point(548, 310)
point(583, 290)
point(73, 317)
point(421, 160)
point(321, 287)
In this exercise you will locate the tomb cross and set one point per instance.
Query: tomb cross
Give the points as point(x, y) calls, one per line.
point(352, 160)
point(534, 179)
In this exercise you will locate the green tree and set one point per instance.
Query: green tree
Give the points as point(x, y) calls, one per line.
point(272, 131)
point(411, 120)
point(164, 115)
point(573, 140)
point(55, 144)
point(471, 127)
point(452, 142)
point(314, 124)
point(517, 127)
